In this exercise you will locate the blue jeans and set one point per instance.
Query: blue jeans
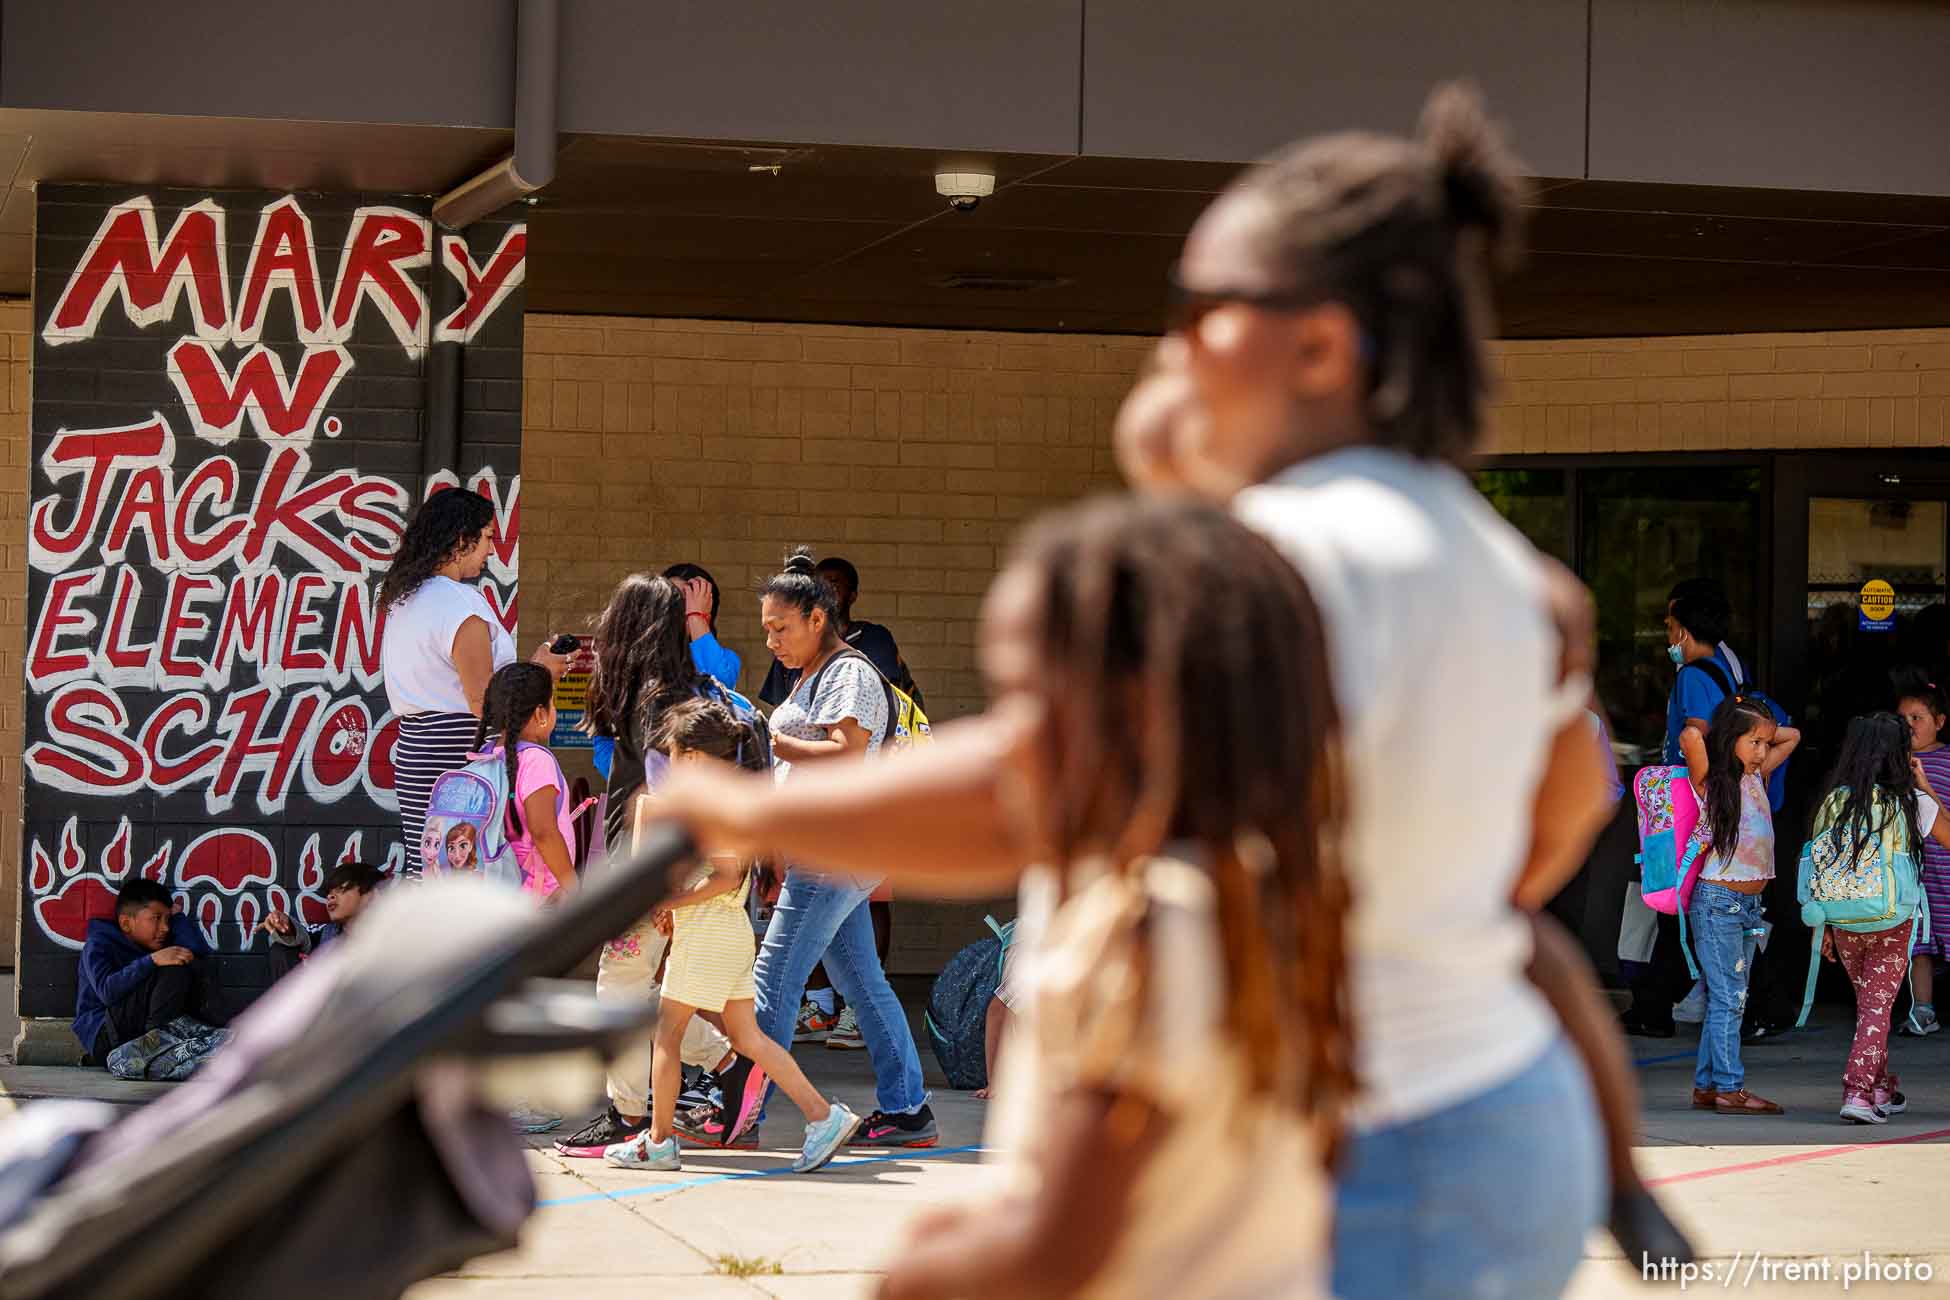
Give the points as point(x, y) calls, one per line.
point(1723, 928)
point(1489, 1198)
point(826, 917)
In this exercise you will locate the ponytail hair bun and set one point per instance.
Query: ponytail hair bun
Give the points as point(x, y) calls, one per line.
point(798, 585)
point(800, 560)
point(1482, 190)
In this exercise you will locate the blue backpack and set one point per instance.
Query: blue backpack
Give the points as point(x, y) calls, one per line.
point(467, 823)
point(1861, 884)
point(958, 1007)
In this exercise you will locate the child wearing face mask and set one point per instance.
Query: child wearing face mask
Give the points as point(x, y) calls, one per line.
point(1925, 711)
point(1729, 765)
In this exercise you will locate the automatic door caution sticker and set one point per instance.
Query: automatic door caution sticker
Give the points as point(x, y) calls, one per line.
point(1878, 604)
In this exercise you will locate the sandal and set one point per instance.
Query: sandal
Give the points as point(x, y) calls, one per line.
point(1703, 1098)
point(1743, 1102)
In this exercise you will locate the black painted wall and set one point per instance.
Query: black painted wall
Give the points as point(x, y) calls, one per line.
point(228, 426)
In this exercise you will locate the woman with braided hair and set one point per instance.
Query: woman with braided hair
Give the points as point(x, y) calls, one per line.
point(1330, 318)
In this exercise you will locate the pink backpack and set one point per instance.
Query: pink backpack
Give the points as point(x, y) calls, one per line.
point(1669, 854)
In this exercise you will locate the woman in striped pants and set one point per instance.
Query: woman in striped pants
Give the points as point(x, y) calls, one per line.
point(442, 643)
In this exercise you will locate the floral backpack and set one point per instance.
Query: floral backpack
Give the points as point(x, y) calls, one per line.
point(1863, 884)
point(1669, 852)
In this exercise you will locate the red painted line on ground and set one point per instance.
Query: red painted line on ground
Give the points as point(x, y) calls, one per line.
point(1796, 1158)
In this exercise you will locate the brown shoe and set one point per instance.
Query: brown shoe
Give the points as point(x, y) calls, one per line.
point(1703, 1098)
point(1744, 1103)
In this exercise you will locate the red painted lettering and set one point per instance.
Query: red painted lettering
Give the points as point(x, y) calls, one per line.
point(47, 663)
point(300, 618)
point(182, 622)
point(250, 617)
point(484, 289)
point(282, 259)
point(276, 516)
point(97, 455)
point(382, 245)
point(166, 774)
point(218, 401)
point(126, 663)
point(144, 505)
point(215, 478)
point(86, 752)
point(124, 260)
point(358, 628)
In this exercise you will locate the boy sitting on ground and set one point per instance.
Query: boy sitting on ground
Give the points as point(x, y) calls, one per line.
point(349, 889)
point(144, 969)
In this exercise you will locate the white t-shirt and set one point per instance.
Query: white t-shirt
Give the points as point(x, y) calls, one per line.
point(417, 653)
point(1926, 811)
point(1444, 661)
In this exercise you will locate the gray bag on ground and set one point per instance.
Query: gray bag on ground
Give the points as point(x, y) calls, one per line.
point(958, 1007)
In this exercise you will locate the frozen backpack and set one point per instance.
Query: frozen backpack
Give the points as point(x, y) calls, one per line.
point(467, 823)
point(1670, 854)
point(1863, 884)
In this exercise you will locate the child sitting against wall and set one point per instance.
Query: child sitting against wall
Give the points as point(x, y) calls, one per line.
point(350, 888)
point(146, 971)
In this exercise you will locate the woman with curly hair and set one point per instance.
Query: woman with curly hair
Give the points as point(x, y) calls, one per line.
point(442, 643)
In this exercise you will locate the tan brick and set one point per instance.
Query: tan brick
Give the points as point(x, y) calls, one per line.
point(1870, 383)
point(1695, 388)
point(1747, 387)
point(1822, 358)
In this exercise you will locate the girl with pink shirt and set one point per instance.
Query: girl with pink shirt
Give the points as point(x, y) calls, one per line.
point(518, 714)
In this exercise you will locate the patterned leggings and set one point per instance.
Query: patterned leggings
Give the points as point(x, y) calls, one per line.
point(1876, 964)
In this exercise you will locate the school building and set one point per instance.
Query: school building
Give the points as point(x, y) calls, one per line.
point(699, 282)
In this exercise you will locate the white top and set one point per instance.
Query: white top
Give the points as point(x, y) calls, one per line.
point(1233, 1202)
point(849, 687)
point(1926, 811)
point(1444, 661)
point(417, 652)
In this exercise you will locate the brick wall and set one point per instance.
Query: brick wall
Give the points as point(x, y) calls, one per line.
point(16, 347)
point(915, 454)
point(918, 453)
point(1884, 388)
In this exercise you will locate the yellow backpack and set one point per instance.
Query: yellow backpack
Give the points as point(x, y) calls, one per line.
point(908, 725)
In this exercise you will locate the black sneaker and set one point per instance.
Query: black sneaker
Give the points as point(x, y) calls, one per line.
point(741, 1095)
point(702, 1092)
point(883, 1130)
point(607, 1129)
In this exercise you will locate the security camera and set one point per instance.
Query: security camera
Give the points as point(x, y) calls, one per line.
point(964, 190)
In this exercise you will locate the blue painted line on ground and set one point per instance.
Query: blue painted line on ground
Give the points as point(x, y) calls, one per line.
point(657, 1189)
point(1661, 1060)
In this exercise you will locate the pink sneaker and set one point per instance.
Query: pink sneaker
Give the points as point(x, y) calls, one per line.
point(1888, 1099)
point(1861, 1108)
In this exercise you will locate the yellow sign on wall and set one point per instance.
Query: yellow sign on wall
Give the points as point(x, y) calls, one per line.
point(1878, 603)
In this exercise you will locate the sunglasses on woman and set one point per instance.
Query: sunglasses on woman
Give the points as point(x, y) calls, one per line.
point(1185, 306)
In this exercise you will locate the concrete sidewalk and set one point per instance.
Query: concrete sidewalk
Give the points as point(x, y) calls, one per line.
point(1761, 1196)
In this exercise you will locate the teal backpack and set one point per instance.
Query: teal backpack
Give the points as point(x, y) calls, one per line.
point(1862, 885)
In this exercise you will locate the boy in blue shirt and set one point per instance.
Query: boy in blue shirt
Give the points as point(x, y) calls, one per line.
point(141, 969)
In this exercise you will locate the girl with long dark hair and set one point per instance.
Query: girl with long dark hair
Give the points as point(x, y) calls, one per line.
point(442, 643)
point(1879, 796)
point(1729, 766)
point(644, 664)
point(1184, 1059)
point(518, 717)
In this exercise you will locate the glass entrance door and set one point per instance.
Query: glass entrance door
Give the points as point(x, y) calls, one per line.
point(1875, 602)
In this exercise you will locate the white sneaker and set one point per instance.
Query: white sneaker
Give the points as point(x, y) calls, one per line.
point(533, 1119)
point(1691, 1009)
point(846, 1034)
point(640, 1152)
point(1858, 1109)
point(825, 1138)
